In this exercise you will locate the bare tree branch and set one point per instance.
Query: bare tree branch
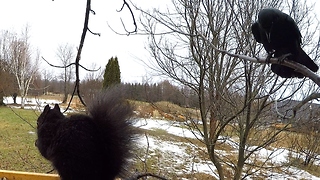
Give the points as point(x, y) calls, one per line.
point(306, 100)
point(22, 118)
point(297, 66)
point(56, 66)
point(125, 4)
point(292, 64)
point(296, 107)
point(97, 34)
point(78, 57)
point(143, 175)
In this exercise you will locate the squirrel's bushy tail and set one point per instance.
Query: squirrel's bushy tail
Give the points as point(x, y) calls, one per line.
point(112, 115)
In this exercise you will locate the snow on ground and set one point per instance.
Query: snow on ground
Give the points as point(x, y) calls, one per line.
point(295, 174)
point(174, 156)
point(31, 103)
point(34, 103)
point(180, 154)
point(171, 127)
point(176, 152)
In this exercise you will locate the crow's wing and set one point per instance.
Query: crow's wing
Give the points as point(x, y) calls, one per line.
point(256, 32)
point(294, 30)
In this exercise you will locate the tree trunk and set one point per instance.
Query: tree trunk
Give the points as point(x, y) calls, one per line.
point(65, 97)
point(65, 89)
point(1, 100)
point(22, 102)
point(14, 97)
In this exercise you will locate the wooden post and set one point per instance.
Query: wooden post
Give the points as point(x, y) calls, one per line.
point(19, 175)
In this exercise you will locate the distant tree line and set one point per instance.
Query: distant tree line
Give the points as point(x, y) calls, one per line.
point(148, 92)
point(163, 91)
point(154, 92)
point(48, 81)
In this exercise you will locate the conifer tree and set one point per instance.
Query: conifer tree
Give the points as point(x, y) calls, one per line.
point(111, 73)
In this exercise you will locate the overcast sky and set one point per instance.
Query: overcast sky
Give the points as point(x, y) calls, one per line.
point(53, 23)
point(61, 21)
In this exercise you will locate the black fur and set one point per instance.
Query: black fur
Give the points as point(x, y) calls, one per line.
point(85, 147)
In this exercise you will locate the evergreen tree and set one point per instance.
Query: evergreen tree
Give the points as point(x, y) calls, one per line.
point(112, 73)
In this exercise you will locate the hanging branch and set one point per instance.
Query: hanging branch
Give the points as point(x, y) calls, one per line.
point(83, 36)
point(76, 89)
point(78, 57)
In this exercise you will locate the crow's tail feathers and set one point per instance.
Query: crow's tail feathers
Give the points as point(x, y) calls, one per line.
point(285, 72)
point(307, 61)
point(302, 58)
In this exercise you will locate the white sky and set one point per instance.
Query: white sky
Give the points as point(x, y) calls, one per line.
point(53, 23)
point(61, 21)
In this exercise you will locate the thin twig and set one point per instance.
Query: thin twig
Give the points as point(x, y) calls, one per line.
point(83, 36)
point(63, 67)
point(22, 118)
point(142, 175)
point(97, 34)
point(304, 101)
point(125, 4)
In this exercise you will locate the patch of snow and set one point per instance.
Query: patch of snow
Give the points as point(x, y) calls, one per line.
point(292, 174)
point(177, 153)
point(171, 127)
point(31, 103)
point(276, 155)
point(35, 103)
point(31, 132)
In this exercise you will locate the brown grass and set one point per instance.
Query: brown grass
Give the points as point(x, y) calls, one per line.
point(13, 145)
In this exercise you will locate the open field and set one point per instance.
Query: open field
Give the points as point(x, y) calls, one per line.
point(18, 151)
point(165, 147)
point(17, 141)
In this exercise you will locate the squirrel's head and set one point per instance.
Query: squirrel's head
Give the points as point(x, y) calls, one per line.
point(49, 115)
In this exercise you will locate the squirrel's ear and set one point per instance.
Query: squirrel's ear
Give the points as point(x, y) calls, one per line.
point(56, 107)
point(46, 108)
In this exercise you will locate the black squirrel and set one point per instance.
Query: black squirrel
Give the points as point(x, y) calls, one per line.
point(83, 147)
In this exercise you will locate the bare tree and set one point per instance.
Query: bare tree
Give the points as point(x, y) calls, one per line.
point(235, 96)
point(6, 85)
point(92, 82)
point(306, 138)
point(18, 53)
point(66, 55)
point(306, 146)
point(6, 76)
point(47, 76)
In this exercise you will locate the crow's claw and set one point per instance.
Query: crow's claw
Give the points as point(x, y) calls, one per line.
point(283, 57)
point(269, 56)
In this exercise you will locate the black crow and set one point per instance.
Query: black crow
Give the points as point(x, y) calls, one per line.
point(280, 35)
